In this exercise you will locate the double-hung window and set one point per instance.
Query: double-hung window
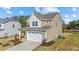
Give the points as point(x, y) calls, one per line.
point(35, 23)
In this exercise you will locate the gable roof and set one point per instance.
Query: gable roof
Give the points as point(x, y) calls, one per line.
point(45, 17)
point(6, 20)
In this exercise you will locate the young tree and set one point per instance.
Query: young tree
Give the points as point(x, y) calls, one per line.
point(22, 20)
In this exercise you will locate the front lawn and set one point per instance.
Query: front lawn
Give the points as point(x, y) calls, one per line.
point(70, 43)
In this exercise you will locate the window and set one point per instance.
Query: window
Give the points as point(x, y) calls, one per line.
point(13, 26)
point(35, 23)
point(56, 24)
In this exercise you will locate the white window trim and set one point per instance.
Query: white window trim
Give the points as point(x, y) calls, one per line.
point(34, 23)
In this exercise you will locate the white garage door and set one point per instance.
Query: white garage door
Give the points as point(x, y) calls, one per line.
point(34, 36)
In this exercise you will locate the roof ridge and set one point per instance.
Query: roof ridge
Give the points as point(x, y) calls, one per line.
point(45, 16)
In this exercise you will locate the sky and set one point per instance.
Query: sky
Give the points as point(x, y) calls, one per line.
point(67, 13)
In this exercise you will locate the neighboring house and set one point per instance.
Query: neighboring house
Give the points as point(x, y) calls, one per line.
point(9, 28)
point(43, 27)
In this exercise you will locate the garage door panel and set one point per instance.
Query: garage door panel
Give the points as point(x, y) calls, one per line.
point(34, 36)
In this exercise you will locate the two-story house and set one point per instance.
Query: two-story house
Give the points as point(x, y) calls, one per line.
point(45, 27)
point(9, 27)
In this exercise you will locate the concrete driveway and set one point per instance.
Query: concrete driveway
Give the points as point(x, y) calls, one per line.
point(25, 46)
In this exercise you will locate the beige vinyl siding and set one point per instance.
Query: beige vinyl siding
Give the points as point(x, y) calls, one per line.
point(45, 23)
point(53, 33)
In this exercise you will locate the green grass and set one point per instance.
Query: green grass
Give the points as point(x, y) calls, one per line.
point(70, 43)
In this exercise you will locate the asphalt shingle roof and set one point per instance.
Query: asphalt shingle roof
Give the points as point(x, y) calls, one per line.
point(47, 17)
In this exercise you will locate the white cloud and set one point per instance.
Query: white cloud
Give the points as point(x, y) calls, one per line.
point(21, 12)
point(74, 9)
point(8, 11)
point(67, 20)
point(45, 10)
point(7, 8)
point(66, 16)
point(73, 15)
point(37, 9)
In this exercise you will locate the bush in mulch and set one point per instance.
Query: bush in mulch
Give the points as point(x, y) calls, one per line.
point(48, 44)
point(61, 37)
point(4, 37)
point(16, 42)
point(5, 45)
point(0, 43)
point(22, 36)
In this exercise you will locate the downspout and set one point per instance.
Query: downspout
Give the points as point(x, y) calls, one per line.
point(43, 37)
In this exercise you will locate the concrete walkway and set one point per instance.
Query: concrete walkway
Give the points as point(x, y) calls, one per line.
point(25, 46)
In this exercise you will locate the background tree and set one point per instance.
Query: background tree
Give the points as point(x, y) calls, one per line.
point(22, 20)
point(72, 25)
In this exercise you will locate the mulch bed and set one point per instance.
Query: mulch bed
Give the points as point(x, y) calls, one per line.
point(6, 45)
point(16, 42)
point(48, 44)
